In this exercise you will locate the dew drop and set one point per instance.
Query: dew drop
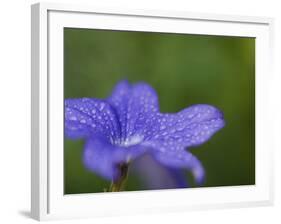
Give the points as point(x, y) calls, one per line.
point(73, 118)
point(83, 121)
point(180, 128)
point(102, 105)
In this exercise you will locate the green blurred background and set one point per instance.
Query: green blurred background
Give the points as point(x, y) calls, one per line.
point(184, 70)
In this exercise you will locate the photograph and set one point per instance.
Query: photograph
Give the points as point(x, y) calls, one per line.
point(153, 111)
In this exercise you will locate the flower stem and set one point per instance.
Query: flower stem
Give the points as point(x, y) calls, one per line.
point(118, 185)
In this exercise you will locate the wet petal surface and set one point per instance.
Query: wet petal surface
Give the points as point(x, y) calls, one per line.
point(87, 116)
point(189, 127)
point(136, 106)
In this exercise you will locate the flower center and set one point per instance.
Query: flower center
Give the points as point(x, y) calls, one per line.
point(133, 140)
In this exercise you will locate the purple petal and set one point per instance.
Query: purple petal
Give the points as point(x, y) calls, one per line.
point(85, 117)
point(172, 133)
point(189, 127)
point(103, 158)
point(157, 176)
point(136, 106)
point(182, 159)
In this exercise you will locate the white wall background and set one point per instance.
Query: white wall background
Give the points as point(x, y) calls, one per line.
point(15, 111)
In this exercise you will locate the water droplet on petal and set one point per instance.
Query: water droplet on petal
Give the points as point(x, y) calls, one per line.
point(83, 121)
point(180, 128)
point(102, 105)
point(73, 118)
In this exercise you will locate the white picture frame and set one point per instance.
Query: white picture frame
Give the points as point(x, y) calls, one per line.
point(48, 201)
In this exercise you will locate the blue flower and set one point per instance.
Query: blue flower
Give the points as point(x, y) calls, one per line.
point(129, 123)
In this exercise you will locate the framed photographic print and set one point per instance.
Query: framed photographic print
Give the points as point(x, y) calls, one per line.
point(138, 111)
